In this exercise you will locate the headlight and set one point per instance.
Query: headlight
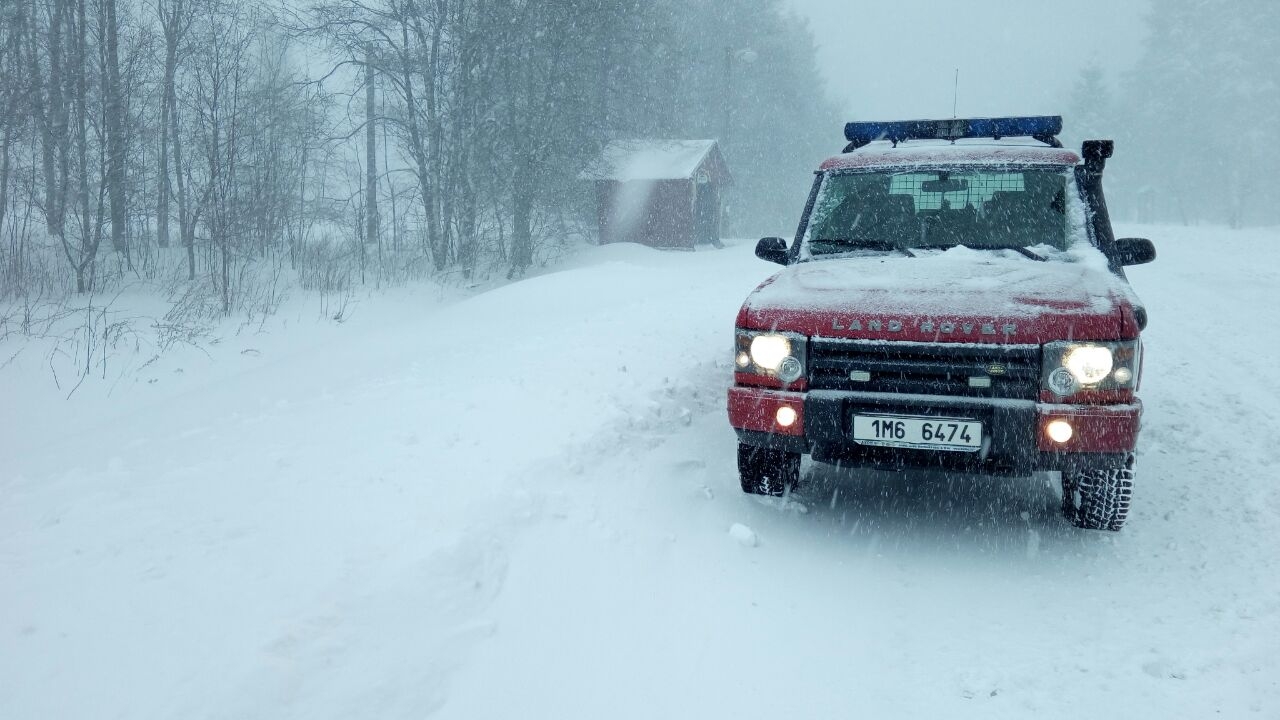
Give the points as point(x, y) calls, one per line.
point(771, 354)
point(767, 351)
point(1073, 366)
point(1090, 364)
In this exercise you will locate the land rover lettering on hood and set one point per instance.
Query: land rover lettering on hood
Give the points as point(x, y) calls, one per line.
point(954, 299)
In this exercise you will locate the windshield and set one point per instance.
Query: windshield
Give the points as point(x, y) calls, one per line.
point(978, 208)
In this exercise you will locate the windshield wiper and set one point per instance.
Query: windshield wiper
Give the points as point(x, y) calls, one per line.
point(1026, 253)
point(874, 245)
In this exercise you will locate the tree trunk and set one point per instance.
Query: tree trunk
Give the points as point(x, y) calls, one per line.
point(162, 180)
point(419, 154)
point(167, 92)
point(216, 211)
point(463, 182)
point(371, 151)
point(4, 171)
point(186, 224)
point(10, 72)
point(297, 235)
point(434, 133)
point(391, 189)
point(226, 273)
point(522, 217)
point(113, 109)
point(51, 120)
point(88, 234)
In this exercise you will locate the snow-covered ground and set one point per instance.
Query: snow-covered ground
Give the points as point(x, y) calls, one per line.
point(524, 504)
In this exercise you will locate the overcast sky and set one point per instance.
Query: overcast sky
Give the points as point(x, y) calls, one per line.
point(897, 60)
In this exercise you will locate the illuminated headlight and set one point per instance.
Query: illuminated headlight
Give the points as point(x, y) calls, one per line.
point(1090, 364)
point(767, 351)
point(771, 354)
point(1073, 366)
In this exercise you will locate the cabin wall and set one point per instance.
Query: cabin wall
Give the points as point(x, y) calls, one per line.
point(657, 213)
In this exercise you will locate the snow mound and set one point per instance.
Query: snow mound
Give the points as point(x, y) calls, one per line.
point(745, 536)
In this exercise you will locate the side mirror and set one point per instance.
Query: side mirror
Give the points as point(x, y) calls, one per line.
point(773, 249)
point(1134, 251)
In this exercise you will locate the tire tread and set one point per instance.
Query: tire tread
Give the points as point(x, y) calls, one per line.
point(1105, 496)
point(765, 471)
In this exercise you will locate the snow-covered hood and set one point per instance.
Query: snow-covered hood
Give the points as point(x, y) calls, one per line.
point(960, 295)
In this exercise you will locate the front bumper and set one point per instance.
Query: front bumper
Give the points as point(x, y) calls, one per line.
point(1017, 443)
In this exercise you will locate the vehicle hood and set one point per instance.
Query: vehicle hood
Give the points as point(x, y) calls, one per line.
point(960, 295)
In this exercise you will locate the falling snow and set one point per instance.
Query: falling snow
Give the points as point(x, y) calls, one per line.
point(462, 507)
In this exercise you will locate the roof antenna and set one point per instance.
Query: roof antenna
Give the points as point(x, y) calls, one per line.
point(955, 94)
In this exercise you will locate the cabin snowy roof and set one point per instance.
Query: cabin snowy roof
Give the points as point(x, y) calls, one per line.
point(625, 160)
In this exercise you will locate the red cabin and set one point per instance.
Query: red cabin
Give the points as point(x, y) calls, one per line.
point(662, 193)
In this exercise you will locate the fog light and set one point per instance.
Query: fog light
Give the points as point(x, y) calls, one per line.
point(1123, 375)
point(743, 359)
point(1059, 431)
point(787, 416)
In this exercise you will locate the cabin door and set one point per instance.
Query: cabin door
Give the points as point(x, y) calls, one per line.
point(706, 213)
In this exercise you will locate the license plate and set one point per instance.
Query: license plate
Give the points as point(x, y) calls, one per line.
point(927, 433)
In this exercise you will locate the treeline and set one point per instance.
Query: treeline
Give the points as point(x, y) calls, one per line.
point(217, 145)
point(1193, 121)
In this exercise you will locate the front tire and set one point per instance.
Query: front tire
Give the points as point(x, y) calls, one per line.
point(1098, 499)
point(765, 471)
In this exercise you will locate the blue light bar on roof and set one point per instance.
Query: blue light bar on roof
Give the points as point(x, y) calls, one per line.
point(1042, 127)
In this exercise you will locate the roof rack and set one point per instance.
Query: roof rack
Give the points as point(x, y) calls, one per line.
point(1044, 128)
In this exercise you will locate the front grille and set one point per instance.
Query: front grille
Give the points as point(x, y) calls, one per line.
point(925, 368)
